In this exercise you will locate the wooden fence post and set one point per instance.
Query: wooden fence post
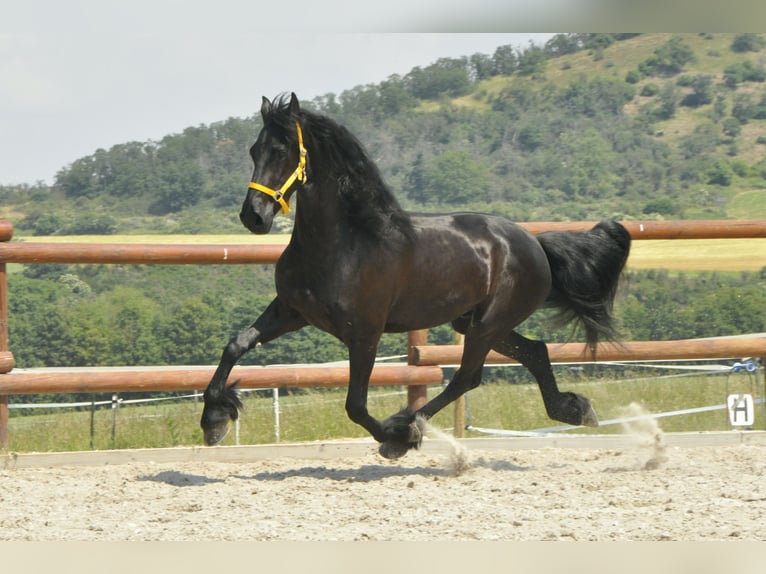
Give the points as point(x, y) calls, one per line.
point(6, 232)
point(417, 395)
point(458, 426)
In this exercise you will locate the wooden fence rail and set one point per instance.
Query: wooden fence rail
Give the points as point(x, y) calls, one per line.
point(130, 380)
point(423, 359)
point(180, 254)
point(716, 348)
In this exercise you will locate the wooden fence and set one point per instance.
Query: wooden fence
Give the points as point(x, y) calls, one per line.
point(424, 361)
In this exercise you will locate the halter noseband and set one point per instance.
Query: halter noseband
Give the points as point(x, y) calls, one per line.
point(298, 174)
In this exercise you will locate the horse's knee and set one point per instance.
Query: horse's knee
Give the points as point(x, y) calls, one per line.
point(232, 350)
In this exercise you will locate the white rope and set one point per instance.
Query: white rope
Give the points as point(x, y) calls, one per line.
point(549, 430)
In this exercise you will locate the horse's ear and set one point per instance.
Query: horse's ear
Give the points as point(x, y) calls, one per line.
point(265, 107)
point(295, 106)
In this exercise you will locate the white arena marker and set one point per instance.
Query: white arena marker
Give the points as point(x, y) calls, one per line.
point(741, 410)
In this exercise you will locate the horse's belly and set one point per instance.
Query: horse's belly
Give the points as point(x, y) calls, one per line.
point(430, 309)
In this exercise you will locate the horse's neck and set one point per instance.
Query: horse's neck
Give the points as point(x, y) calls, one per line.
point(324, 222)
point(318, 222)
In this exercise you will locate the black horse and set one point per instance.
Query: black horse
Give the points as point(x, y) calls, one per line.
point(357, 265)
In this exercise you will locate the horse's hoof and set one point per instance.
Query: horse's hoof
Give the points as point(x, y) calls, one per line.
point(393, 450)
point(215, 435)
point(397, 449)
point(590, 419)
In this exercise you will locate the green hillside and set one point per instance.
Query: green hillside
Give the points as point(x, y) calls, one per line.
point(587, 126)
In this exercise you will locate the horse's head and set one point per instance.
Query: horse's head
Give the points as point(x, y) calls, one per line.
point(279, 160)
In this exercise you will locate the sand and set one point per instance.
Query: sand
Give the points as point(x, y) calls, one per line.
point(646, 492)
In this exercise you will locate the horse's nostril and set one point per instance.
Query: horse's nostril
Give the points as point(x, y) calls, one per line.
point(255, 222)
point(250, 218)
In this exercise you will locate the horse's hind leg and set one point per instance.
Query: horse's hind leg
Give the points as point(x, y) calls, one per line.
point(467, 377)
point(566, 407)
point(406, 427)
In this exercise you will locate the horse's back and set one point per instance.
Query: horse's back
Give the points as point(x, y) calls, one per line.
point(483, 234)
point(464, 261)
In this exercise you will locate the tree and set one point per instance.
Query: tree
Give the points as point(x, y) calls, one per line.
point(395, 97)
point(661, 206)
point(447, 77)
point(593, 97)
point(415, 183)
point(132, 323)
point(587, 157)
point(745, 71)
point(191, 334)
point(702, 86)
point(562, 44)
point(668, 59)
point(720, 173)
point(530, 136)
point(702, 141)
point(481, 67)
point(731, 127)
point(743, 108)
point(455, 177)
point(668, 101)
point(532, 61)
point(504, 61)
point(180, 186)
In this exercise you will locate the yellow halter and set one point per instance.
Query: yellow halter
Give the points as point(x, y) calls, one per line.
point(299, 174)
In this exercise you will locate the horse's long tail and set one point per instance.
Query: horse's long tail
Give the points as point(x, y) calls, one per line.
point(586, 268)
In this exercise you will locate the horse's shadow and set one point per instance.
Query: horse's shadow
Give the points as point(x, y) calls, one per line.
point(374, 472)
point(176, 478)
point(364, 473)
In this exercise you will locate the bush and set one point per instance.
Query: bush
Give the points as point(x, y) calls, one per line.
point(661, 206)
point(650, 90)
point(720, 173)
point(633, 77)
point(89, 224)
point(743, 72)
point(748, 42)
point(732, 127)
point(669, 59)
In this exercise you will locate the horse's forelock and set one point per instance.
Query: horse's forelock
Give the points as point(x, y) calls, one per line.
point(280, 110)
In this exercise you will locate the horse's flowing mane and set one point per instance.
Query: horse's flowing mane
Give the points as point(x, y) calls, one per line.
point(336, 159)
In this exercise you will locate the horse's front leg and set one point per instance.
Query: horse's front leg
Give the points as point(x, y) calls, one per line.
point(223, 404)
point(395, 433)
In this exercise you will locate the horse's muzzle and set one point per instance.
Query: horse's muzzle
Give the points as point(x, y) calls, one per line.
point(255, 223)
point(256, 216)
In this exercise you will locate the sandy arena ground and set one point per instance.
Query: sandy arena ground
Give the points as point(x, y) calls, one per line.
point(645, 492)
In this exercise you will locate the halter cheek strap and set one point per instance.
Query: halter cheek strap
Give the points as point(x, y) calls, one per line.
point(298, 174)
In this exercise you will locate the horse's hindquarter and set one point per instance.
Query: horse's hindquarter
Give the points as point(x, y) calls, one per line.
point(464, 261)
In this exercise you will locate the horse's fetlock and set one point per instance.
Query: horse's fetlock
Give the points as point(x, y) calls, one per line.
point(356, 413)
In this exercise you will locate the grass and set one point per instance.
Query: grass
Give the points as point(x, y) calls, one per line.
point(699, 254)
point(319, 414)
point(750, 204)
